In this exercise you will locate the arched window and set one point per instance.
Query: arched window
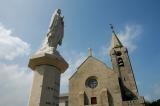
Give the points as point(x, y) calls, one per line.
point(110, 99)
point(86, 100)
point(120, 61)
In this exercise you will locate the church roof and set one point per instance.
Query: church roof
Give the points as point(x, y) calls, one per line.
point(89, 57)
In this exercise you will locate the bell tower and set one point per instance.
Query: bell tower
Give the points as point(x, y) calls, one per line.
point(122, 65)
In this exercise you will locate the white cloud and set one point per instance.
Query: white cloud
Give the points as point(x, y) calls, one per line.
point(156, 89)
point(104, 50)
point(15, 83)
point(147, 98)
point(11, 46)
point(153, 93)
point(128, 37)
point(74, 59)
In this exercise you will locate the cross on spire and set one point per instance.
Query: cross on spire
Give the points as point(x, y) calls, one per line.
point(112, 27)
point(89, 51)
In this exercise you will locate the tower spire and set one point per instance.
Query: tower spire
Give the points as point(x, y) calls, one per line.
point(115, 41)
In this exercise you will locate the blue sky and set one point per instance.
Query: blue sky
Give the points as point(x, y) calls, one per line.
point(24, 23)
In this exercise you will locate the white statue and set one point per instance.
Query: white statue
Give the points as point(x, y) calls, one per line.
point(56, 29)
point(55, 33)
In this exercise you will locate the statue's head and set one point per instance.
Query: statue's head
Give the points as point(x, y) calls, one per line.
point(58, 11)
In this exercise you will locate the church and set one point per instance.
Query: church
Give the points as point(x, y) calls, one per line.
point(93, 83)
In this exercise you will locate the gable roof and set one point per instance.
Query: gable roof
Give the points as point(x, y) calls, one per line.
point(86, 61)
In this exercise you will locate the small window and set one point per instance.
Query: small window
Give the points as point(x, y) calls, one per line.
point(93, 100)
point(118, 53)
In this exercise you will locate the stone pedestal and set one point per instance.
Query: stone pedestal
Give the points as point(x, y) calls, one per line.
point(46, 82)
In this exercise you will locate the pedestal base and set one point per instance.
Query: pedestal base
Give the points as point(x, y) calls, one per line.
point(48, 59)
point(46, 82)
point(46, 86)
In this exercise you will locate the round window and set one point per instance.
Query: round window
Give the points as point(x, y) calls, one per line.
point(91, 82)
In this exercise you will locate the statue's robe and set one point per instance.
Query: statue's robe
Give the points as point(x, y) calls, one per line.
point(56, 30)
point(55, 33)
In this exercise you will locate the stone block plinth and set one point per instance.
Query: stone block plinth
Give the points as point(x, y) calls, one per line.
point(48, 59)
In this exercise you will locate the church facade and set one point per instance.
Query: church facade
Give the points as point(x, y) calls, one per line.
point(95, 84)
